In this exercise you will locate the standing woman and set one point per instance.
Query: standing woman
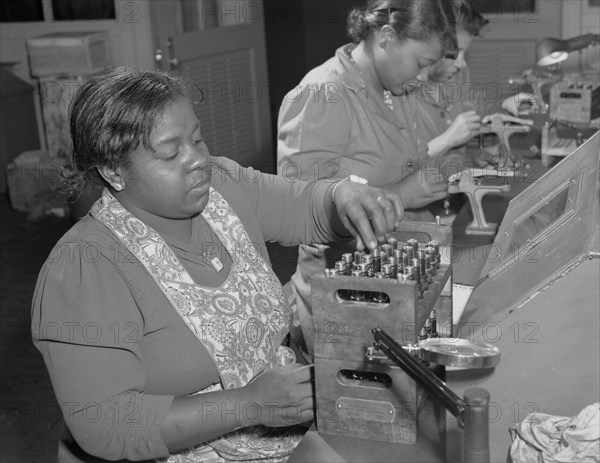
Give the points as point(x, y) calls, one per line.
point(346, 116)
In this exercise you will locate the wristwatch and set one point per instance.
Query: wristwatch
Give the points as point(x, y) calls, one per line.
point(352, 178)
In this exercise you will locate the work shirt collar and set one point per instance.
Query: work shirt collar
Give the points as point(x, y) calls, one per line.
point(349, 76)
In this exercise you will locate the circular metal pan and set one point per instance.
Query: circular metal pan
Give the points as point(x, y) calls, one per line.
point(456, 352)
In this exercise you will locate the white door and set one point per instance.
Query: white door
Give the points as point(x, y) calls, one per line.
point(220, 46)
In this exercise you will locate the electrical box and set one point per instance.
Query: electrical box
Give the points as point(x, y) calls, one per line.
point(576, 102)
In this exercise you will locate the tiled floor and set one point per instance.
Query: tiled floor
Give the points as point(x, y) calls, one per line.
point(29, 415)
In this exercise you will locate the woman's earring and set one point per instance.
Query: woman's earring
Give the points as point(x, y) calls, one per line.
point(118, 186)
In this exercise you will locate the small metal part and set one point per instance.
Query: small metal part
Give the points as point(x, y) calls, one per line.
point(341, 268)
point(435, 245)
point(435, 265)
point(376, 260)
point(393, 242)
point(380, 298)
point(386, 252)
point(358, 257)
point(414, 244)
point(430, 272)
point(433, 319)
point(427, 328)
point(363, 270)
point(355, 294)
point(393, 270)
point(330, 272)
point(387, 271)
point(348, 258)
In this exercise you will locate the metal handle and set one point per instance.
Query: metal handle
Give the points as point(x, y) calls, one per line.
point(159, 56)
point(416, 371)
point(172, 62)
point(470, 412)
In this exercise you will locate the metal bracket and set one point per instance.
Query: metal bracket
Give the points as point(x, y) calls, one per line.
point(469, 182)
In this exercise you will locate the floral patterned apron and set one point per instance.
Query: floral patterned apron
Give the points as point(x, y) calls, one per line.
point(241, 323)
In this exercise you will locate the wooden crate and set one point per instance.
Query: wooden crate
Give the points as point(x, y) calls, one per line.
point(371, 398)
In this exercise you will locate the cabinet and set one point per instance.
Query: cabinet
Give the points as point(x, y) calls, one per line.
point(18, 126)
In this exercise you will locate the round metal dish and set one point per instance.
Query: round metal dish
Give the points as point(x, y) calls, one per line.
point(456, 352)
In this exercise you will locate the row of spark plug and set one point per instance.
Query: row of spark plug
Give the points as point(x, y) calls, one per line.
point(410, 261)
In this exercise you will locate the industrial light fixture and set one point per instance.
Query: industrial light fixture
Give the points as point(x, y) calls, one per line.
point(551, 51)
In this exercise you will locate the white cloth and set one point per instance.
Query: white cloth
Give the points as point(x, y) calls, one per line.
point(542, 438)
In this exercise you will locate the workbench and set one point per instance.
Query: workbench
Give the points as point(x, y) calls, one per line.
point(550, 354)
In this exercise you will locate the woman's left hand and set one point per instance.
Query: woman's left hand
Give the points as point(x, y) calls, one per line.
point(368, 213)
point(506, 118)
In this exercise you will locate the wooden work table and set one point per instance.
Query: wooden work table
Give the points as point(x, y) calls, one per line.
point(468, 260)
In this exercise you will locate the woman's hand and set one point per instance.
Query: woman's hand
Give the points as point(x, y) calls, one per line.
point(282, 396)
point(512, 105)
point(505, 118)
point(366, 212)
point(464, 127)
point(423, 187)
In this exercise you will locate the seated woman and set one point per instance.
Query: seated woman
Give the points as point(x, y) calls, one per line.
point(158, 315)
point(448, 108)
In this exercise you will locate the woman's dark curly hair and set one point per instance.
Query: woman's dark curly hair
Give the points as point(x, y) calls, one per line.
point(110, 115)
point(468, 18)
point(411, 19)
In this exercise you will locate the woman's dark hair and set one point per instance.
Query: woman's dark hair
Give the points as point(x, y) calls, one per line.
point(468, 18)
point(110, 114)
point(411, 19)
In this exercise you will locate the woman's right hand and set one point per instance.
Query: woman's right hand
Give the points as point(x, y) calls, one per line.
point(464, 127)
point(281, 396)
point(423, 187)
point(512, 105)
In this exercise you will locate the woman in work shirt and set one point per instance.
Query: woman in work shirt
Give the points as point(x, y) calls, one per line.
point(345, 118)
point(449, 108)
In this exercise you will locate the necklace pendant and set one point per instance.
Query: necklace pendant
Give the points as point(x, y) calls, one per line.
point(216, 263)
